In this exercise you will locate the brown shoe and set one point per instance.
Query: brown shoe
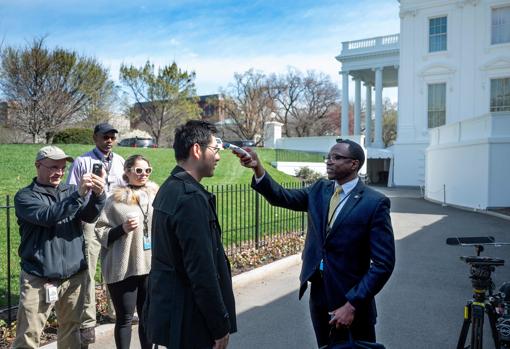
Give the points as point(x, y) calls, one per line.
point(87, 336)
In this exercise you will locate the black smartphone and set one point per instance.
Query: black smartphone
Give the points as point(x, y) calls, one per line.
point(97, 169)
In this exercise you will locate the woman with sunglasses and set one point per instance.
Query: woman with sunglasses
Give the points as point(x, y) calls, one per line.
point(124, 229)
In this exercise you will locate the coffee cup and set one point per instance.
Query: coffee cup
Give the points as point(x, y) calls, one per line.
point(132, 215)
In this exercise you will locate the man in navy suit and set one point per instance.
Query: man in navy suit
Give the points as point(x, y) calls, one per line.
point(349, 251)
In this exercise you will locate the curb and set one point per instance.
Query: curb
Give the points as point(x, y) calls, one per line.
point(239, 280)
point(262, 272)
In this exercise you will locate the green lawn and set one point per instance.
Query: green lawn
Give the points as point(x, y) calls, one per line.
point(18, 169)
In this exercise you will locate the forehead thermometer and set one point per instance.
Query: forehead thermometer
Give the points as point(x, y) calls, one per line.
point(239, 151)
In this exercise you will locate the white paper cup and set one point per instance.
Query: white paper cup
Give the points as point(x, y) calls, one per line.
point(132, 215)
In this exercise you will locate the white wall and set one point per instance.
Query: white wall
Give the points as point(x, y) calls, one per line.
point(409, 164)
point(319, 143)
point(290, 168)
point(468, 163)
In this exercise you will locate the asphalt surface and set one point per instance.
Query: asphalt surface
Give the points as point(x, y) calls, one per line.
point(421, 307)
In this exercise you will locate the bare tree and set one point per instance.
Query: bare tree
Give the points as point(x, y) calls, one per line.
point(163, 98)
point(286, 91)
point(389, 122)
point(103, 103)
point(248, 104)
point(316, 101)
point(48, 88)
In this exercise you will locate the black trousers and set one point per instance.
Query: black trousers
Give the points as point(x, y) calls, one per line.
point(126, 295)
point(362, 327)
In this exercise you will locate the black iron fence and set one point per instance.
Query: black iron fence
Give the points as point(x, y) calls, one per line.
point(9, 271)
point(247, 221)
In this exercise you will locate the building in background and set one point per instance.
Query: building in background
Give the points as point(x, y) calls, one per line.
point(451, 63)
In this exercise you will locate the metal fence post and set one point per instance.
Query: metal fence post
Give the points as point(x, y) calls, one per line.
point(257, 220)
point(8, 225)
point(303, 214)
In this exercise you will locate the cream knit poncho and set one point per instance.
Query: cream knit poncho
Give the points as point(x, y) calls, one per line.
point(125, 256)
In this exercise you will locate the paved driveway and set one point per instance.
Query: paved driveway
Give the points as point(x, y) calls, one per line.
point(422, 305)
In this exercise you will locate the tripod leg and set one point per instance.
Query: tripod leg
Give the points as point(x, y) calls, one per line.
point(478, 314)
point(465, 327)
point(491, 314)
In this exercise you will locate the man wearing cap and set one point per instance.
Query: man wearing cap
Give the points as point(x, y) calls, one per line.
point(53, 266)
point(105, 136)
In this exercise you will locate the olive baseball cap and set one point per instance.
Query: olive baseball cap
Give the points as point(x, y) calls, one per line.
point(53, 153)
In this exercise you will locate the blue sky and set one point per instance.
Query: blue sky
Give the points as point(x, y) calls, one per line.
point(213, 38)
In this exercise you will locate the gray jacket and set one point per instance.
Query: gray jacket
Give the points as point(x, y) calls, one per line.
point(50, 225)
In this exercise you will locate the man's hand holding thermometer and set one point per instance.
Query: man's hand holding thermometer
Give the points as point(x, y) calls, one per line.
point(240, 152)
point(248, 158)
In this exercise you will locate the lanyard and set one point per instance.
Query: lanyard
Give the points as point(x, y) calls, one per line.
point(107, 163)
point(145, 217)
point(106, 160)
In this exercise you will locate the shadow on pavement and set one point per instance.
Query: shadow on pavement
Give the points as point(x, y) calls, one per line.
point(282, 324)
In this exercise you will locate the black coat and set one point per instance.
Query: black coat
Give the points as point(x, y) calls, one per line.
point(358, 251)
point(190, 301)
point(50, 224)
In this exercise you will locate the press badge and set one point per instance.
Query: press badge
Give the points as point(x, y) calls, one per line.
point(51, 293)
point(146, 242)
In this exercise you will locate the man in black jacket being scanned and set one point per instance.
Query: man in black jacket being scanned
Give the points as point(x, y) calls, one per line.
point(190, 301)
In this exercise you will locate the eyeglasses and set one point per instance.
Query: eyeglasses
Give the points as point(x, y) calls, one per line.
point(337, 157)
point(214, 149)
point(106, 137)
point(141, 170)
point(54, 168)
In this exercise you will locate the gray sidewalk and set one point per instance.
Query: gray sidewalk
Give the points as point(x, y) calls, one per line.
point(421, 307)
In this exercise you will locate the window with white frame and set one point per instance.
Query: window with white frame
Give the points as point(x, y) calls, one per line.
point(436, 105)
point(500, 94)
point(437, 34)
point(500, 25)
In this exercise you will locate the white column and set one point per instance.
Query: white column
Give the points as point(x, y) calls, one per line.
point(357, 106)
point(345, 103)
point(368, 115)
point(378, 143)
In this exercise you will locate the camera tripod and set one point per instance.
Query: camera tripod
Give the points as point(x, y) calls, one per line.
point(474, 316)
point(481, 305)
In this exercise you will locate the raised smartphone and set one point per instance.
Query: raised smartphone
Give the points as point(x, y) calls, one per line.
point(97, 169)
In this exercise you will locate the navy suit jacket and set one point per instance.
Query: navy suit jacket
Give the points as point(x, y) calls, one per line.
point(359, 249)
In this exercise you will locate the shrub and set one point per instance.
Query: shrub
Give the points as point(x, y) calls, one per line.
point(307, 174)
point(135, 133)
point(74, 136)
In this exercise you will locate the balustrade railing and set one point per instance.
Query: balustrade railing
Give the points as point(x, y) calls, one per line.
point(371, 44)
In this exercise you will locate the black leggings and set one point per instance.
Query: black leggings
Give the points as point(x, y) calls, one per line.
point(127, 294)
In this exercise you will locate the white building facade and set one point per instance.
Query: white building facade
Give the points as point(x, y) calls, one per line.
point(453, 69)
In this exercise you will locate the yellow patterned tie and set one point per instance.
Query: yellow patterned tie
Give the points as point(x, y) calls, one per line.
point(333, 203)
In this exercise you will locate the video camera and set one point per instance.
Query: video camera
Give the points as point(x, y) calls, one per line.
point(481, 267)
point(497, 306)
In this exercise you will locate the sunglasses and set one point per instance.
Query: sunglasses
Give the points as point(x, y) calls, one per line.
point(141, 170)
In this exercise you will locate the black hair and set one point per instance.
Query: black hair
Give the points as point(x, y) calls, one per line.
point(130, 161)
point(193, 131)
point(355, 150)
